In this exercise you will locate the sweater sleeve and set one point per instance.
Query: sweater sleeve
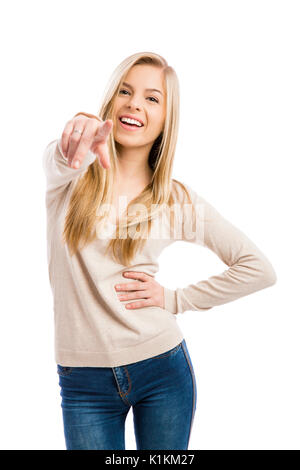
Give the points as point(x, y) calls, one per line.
point(58, 172)
point(249, 269)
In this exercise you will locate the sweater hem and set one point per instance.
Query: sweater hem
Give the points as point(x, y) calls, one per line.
point(145, 350)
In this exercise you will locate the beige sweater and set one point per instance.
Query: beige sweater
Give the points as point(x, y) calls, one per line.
point(92, 325)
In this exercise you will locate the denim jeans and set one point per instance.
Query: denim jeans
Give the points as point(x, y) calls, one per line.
point(161, 391)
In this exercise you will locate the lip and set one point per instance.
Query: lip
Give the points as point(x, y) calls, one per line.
point(131, 116)
point(127, 127)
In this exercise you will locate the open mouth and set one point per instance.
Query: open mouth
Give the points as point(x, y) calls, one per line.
point(129, 126)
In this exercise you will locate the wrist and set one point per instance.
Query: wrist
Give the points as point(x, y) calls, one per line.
point(170, 300)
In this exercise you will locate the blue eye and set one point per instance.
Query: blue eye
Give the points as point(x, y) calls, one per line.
point(148, 96)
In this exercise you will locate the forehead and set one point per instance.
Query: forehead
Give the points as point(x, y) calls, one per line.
point(149, 76)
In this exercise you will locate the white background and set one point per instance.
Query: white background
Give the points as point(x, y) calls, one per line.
point(238, 147)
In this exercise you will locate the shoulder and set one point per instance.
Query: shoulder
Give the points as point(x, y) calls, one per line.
point(192, 202)
point(184, 193)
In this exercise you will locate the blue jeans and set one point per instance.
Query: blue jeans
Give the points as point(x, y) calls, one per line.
point(161, 391)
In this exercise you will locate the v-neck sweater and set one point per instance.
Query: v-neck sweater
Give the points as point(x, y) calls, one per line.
point(93, 328)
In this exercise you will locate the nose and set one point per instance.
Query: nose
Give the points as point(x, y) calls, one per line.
point(132, 103)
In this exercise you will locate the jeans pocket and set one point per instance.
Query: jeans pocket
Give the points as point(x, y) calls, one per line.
point(64, 370)
point(171, 352)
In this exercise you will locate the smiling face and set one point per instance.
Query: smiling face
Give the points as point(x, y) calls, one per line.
point(138, 99)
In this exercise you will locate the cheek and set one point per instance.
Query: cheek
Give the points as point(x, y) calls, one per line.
point(156, 121)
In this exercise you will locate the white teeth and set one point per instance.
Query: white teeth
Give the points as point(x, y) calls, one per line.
point(131, 121)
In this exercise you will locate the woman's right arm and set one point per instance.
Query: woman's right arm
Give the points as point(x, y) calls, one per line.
point(61, 154)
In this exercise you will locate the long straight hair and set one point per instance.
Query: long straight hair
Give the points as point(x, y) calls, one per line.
point(94, 189)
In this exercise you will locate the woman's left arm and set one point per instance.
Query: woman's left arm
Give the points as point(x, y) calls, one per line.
point(249, 269)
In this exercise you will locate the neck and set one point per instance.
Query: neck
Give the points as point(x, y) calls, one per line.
point(133, 167)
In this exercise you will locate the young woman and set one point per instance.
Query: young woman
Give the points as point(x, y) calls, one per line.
point(112, 207)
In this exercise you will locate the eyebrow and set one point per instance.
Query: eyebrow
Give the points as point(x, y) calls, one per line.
point(147, 89)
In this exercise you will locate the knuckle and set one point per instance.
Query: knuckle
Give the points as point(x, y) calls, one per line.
point(65, 134)
point(86, 139)
point(94, 123)
point(75, 137)
point(78, 122)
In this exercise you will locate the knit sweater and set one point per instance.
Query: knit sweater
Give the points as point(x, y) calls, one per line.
point(92, 326)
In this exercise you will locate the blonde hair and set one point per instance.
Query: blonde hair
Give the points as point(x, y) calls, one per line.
point(95, 188)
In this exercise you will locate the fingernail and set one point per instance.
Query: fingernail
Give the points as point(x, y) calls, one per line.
point(76, 164)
